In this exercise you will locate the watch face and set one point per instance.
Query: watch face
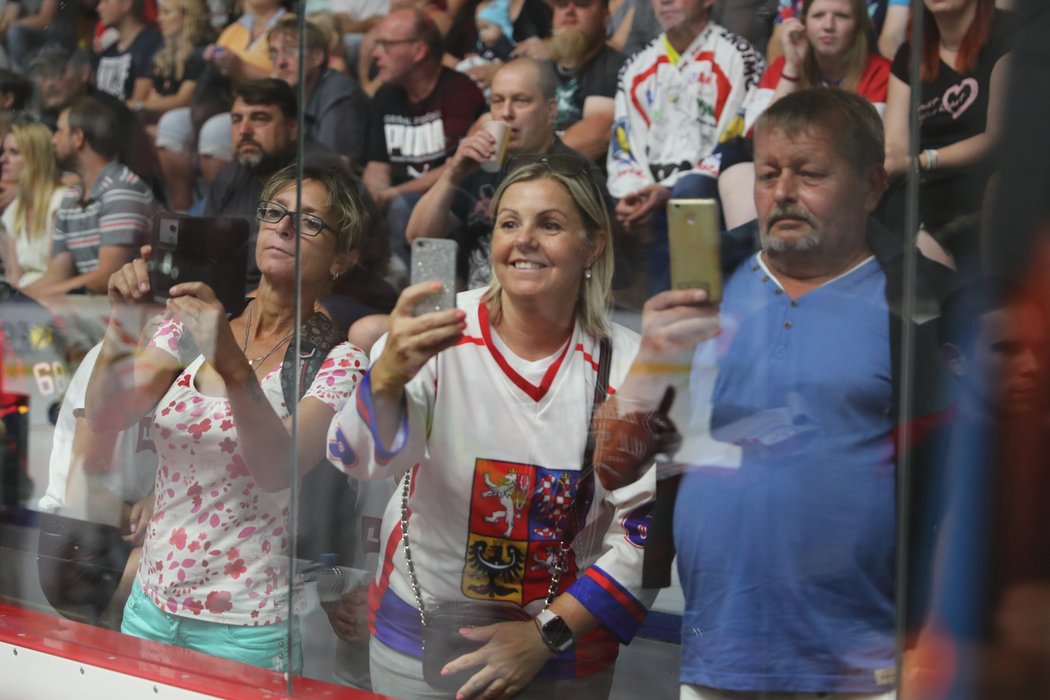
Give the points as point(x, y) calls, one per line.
point(557, 634)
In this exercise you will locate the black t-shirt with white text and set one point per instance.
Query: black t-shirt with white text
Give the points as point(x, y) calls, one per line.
point(416, 137)
point(116, 71)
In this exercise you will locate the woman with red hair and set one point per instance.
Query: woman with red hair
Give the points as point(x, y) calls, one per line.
point(962, 79)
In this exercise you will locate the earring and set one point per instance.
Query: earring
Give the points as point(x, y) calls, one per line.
point(335, 276)
point(586, 273)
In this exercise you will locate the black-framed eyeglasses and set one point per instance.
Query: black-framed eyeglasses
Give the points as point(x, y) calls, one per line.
point(307, 224)
point(385, 44)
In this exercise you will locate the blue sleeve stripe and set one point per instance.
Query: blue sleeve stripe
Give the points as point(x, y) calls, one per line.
point(367, 413)
point(614, 606)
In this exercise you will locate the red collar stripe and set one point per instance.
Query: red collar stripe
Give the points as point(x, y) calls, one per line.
point(534, 392)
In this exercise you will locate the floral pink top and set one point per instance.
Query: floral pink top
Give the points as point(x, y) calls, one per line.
point(216, 545)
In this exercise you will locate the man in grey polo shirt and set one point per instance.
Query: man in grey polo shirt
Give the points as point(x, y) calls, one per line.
point(96, 233)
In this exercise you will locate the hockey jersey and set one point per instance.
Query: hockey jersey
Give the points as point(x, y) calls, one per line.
point(495, 462)
point(672, 110)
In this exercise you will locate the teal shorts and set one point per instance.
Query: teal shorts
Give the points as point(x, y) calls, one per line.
point(265, 645)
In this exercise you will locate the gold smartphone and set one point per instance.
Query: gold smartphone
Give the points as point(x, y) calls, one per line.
point(693, 236)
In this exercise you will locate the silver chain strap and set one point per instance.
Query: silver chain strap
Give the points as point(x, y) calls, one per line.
point(560, 567)
point(405, 485)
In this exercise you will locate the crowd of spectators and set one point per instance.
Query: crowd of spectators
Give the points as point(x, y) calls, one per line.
point(114, 111)
point(670, 117)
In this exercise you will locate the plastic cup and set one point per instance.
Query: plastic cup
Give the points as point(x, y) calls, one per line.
point(501, 133)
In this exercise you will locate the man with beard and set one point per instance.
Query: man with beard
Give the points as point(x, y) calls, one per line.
point(786, 521)
point(265, 128)
point(586, 68)
point(103, 228)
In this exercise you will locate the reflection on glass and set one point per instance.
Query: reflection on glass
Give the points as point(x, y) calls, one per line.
point(146, 480)
point(978, 574)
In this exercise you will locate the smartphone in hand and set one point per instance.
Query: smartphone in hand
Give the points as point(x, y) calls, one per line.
point(434, 260)
point(694, 239)
point(213, 250)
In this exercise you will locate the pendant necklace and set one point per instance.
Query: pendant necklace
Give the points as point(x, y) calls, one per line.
point(254, 363)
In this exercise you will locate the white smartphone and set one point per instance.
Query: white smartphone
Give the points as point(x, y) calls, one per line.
point(434, 260)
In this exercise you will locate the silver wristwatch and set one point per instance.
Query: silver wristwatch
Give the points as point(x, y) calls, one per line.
point(554, 632)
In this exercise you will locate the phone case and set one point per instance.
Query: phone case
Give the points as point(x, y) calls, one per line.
point(213, 250)
point(434, 260)
point(694, 239)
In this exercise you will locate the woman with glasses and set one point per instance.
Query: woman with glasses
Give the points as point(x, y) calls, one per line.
point(28, 161)
point(486, 409)
point(214, 569)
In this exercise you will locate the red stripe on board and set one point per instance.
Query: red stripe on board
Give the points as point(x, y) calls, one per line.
point(157, 662)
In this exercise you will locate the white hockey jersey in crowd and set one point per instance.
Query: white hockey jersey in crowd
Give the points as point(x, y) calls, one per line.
point(672, 110)
point(495, 460)
point(134, 454)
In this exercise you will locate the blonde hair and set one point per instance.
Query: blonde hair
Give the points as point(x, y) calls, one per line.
point(863, 44)
point(170, 59)
point(595, 296)
point(39, 178)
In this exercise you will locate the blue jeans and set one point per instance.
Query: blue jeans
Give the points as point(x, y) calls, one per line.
point(265, 645)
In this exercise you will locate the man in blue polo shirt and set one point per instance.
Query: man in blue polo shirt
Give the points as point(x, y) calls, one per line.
point(785, 521)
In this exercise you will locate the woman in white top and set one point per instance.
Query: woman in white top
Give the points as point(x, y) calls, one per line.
point(29, 160)
point(487, 406)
